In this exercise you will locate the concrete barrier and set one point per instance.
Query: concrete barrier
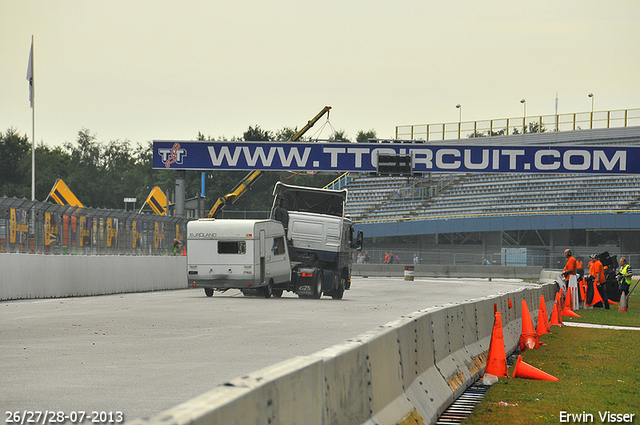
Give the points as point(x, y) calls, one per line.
point(424, 386)
point(409, 369)
point(45, 276)
point(290, 392)
point(347, 377)
point(548, 276)
point(462, 271)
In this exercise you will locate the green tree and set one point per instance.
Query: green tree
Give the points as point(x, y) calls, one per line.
point(51, 164)
point(339, 136)
point(84, 176)
point(364, 136)
point(15, 180)
point(256, 134)
point(286, 134)
point(532, 127)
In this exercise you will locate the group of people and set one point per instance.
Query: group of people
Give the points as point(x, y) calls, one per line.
point(389, 258)
point(574, 271)
point(363, 258)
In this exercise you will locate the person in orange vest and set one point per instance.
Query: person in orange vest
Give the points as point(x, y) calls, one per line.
point(569, 272)
point(597, 271)
point(579, 268)
point(575, 290)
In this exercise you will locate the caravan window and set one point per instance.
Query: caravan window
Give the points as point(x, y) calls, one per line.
point(236, 247)
point(278, 246)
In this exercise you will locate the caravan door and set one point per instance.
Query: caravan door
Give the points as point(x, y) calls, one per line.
point(263, 251)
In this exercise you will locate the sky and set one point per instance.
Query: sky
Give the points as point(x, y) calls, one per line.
point(142, 70)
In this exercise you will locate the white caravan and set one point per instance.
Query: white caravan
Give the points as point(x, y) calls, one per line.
point(250, 255)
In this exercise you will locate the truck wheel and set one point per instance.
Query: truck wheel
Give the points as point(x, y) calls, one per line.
point(267, 291)
point(208, 292)
point(339, 292)
point(317, 288)
point(277, 293)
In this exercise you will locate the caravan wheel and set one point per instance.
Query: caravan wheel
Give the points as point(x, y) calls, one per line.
point(208, 292)
point(267, 291)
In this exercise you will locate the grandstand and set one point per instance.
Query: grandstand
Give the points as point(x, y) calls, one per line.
point(397, 198)
point(444, 216)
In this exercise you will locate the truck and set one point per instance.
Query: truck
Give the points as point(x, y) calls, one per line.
point(304, 247)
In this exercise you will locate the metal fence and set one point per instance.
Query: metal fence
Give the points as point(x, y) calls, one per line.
point(508, 256)
point(45, 228)
point(528, 124)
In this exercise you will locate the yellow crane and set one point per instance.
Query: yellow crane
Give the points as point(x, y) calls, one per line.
point(253, 176)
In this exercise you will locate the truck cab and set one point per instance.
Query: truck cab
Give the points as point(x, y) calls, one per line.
point(319, 236)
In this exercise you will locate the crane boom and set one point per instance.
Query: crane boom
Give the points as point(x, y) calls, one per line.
point(253, 176)
point(310, 124)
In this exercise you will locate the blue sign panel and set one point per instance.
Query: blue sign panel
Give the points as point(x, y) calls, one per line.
point(363, 157)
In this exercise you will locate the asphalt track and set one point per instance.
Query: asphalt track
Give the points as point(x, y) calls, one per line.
point(143, 353)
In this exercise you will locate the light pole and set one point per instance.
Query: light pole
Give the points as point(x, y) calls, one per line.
point(592, 100)
point(524, 115)
point(459, 118)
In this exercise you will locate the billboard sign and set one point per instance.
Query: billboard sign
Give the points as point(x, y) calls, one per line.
point(363, 157)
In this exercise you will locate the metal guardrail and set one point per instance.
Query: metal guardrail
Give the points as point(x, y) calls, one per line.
point(339, 182)
point(495, 214)
point(45, 228)
point(519, 125)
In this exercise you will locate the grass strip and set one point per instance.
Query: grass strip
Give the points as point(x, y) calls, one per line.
point(612, 316)
point(598, 372)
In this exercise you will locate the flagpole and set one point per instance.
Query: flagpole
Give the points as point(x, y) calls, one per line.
point(33, 127)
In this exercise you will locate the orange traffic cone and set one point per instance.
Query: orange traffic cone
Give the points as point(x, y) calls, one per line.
point(568, 309)
point(542, 327)
point(623, 302)
point(497, 361)
point(596, 296)
point(524, 370)
point(583, 291)
point(510, 305)
point(568, 302)
point(560, 314)
point(569, 313)
point(528, 337)
point(554, 315)
point(543, 308)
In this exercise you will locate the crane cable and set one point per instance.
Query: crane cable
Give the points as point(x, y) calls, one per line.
point(316, 135)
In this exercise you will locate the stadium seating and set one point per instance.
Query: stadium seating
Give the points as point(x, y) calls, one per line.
point(396, 198)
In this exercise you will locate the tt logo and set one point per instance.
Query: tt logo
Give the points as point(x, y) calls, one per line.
point(175, 155)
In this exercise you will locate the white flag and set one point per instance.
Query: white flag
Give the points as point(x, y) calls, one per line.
point(30, 75)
